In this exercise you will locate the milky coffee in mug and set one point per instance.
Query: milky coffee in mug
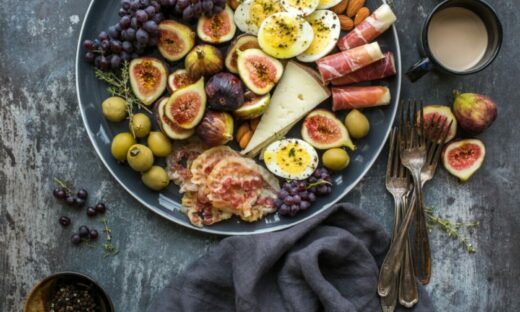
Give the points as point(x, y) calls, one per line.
point(459, 37)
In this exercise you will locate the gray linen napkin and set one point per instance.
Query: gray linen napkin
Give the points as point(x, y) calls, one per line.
point(328, 263)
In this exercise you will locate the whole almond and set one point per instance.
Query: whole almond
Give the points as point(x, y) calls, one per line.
point(354, 6)
point(233, 4)
point(361, 15)
point(340, 8)
point(345, 23)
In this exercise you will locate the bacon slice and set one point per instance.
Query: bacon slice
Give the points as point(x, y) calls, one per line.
point(201, 212)
point(359, 97)
point(378, 70)
point(371, 28)
point(343, 63)
point(202, 166)
point(179, 162)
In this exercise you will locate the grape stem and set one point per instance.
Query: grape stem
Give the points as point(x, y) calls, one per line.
point(318, 183)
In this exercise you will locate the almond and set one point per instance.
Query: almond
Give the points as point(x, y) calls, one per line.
point(361, 15)
point(354, 6)
point(245, 139)
point(233, 4)
point(346, 23)
point(340, 8)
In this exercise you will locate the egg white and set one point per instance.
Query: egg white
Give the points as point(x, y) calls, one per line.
point(282, 148)
point(250, 14)
point(284, 35)
point(327, 4)
point(300, 7)
point(326, 27)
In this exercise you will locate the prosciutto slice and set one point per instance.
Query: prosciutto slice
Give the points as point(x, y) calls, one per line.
point(378, 70)
point(359, 97)
point(343, 63)
point(373, 26)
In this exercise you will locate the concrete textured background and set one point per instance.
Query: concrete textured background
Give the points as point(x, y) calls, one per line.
point(41, 137)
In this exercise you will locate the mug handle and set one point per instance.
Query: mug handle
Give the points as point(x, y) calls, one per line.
point(419, 69)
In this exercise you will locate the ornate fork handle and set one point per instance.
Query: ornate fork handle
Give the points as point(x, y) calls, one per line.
point(392, 263)
point(422, 251)
point(408, 294)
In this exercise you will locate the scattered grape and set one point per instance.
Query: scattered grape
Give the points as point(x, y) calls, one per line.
point(91, 212)
point(101, 208)
point(64, 221)
point(93, 234)
point(82, 193)
point(59, 193)
point(75, 239)
point(83, 231)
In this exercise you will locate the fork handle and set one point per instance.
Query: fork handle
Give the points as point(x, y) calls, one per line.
point(392, 263)
point(422, 251)
point(408, 294)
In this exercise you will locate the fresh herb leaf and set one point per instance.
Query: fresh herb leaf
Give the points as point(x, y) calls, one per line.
point(109, 248)
point(292, 152)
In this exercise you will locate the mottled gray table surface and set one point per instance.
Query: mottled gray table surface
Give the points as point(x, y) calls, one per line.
point(42, 136)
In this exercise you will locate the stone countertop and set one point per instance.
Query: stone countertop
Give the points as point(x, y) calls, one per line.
point(42, 136)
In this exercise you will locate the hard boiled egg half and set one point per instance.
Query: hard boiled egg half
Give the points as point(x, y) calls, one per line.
point(300, 7)
point(285, 35)
point(326, 28)
point(291, 159)
point(250, 14)
point(327, 4)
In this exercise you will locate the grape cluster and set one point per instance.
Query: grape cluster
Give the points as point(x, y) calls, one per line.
point(191, 9)
point(136, 30)
point(296, 196)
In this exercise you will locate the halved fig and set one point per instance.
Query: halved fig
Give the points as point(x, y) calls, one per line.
point(148, 77)
point(254, 106)
point(441, 115)
point(166, 125)
point(241, 43)
point(174, 40)
point(323, 130)
point(179, 79)
point(218, 28)
point(463, 158)
point(258, 71)
point(186, 106)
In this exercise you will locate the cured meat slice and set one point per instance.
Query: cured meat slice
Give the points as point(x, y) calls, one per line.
point(371, 28)
point(359, 97)
point(179, 162)
point(263, 206)
point(378, 70)
point(201, 213)
point(202, 166)
point(343, 63)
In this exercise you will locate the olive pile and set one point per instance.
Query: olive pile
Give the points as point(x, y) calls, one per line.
point(139, 157)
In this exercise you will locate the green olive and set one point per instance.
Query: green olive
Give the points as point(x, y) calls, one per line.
point(357, 124)
point(156, 178)
point(336, 159)
point(140, 124)
point(121, 143)
point(114, 108)
point(160, 144)
point(140, 157)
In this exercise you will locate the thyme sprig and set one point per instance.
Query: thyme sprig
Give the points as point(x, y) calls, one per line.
point(109, 248)
point(119, 85)
point(64, 184)
point(453, 229)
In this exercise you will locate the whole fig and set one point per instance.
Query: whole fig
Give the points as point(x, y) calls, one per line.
point(204, 60)
point(216, 128)
point(474, 112)
point(225, 92)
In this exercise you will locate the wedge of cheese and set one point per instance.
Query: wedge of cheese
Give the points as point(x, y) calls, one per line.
point(298, 92)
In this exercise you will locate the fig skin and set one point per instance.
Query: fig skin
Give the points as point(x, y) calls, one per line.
point(216, 128)
point(185, 108)
point(474, 112)
point(254, 106)
point(225, 92)
point(148, 78)
point(241, 43)
point(166, 125)
point(175, 40)
point(259, 71)
point(463, 158)
point(203, 61)
point(178, 80)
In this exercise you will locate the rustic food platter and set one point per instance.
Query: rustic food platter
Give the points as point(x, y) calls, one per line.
point(170, 202)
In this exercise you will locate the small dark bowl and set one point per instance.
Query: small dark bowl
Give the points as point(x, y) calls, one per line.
point(37, 298)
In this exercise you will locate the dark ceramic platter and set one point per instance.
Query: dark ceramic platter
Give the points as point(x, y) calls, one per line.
point(91, 93)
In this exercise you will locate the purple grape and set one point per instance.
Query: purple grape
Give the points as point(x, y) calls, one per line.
point(150, 10)
point(125, 56)
point(105, 45)
point(304, 205)
point(172, 3)
point(141, 16)
point(151, 27)
point(188, 13)
point(97, 61)
point(75, 239)
point(135, 5)
point(296, 199)
point(304, 195)
point(80, 202)
point(322, 190)
point(125, 4)
point(294, 210)
point(60, 192)
point(64, 221)
point(93, 234)
point(197, 8)
point(91, 211)
point(181, 5)
point(83, 231)
point(130, 34)
point(115, 61)
point(156, 5)
point(312, 197)
point(70, 200)
point(134, 23)
point(88, 45)
point(104, 63)
point(287, 186)
point(144, 3)
point(122, 12)
point(101, 208)
point(278, 202)
point(207, 6)
point(103, 36)
point(159, 17)
point(115, 46)
point(113, 33)
point(217, 10)
point(127, 46)
point(283, 193)
point(284, 210)
point(288, 200)
point(124, 23)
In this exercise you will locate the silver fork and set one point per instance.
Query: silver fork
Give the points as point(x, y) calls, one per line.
point(413, 157)
point(398, 184)
point(436, 133)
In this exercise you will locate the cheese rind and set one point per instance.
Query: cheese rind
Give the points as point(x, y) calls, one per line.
point(298, 92)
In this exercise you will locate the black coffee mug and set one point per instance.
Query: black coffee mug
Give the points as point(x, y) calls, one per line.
point(493, 27)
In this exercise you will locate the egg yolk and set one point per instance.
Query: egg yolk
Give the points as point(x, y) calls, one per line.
point(282, 32)
point(291, 158)
point(301, 4)
point(322, 36)
point(261, 9)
